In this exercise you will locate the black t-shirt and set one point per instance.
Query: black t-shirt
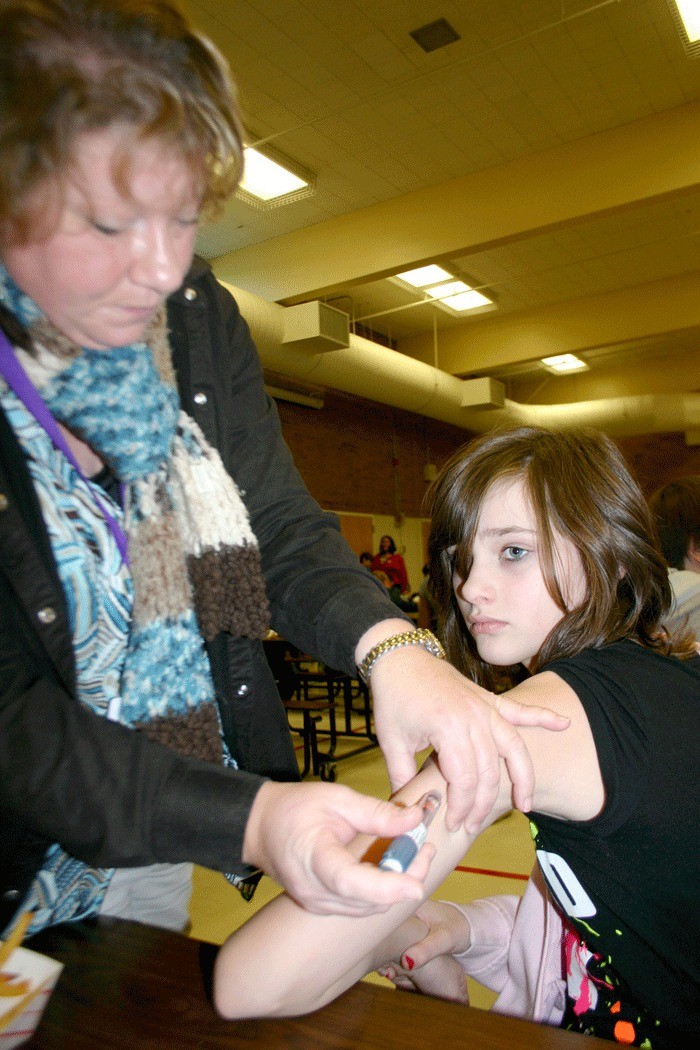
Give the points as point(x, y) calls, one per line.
point(629, 880)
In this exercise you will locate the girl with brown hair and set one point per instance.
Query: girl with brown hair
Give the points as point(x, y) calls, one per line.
point(546, 574)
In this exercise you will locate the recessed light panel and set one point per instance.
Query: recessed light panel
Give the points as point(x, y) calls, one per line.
point(266, 180)
point(469, 300)
point(424, 275)
point(564, 364)
point(689, 10)
point(443, 288)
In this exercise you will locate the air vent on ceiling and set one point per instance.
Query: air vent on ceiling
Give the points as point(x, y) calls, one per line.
point(435, 35)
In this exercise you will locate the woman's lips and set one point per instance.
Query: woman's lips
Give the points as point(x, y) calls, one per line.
point(140, 311)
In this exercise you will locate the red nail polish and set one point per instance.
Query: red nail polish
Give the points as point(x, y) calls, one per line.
point(409, 962)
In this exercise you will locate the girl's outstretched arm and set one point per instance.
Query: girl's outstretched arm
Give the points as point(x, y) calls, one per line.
point(286, 961)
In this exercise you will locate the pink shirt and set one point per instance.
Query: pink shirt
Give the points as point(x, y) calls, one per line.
point(517, 950)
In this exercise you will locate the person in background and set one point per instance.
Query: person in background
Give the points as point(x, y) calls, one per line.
point(407, 606)
point(366, 559)
point(139, 566)
point(392, 564)
point(676, 509)
point(544, 565)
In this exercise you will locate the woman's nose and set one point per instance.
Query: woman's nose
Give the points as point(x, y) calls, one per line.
point(158, 261)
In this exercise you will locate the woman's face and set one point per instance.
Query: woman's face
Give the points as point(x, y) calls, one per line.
point(384, 544)
point(504, 601)
point(101, 263)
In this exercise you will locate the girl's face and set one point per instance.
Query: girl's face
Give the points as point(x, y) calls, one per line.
point(103, 263)
point(504, 601)
point(384, 544)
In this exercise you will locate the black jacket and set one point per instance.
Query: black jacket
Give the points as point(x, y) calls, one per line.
point(107, 794)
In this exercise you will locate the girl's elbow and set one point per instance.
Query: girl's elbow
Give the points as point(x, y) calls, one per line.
point(238, 996)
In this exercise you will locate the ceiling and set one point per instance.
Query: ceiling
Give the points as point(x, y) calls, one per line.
point(550, 156)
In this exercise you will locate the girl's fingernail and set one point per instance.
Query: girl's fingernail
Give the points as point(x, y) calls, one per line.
point(408, 962)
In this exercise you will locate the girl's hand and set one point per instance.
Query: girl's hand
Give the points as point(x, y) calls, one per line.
point(448, 933)
point(429, 965)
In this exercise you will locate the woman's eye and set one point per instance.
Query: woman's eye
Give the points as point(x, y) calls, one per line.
point(514, 553)
point(108, 231)
point(188, 223)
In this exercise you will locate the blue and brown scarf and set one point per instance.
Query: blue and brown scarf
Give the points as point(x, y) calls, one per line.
point(194, 564)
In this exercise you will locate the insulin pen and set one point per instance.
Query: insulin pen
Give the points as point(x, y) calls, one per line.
point(401, 851)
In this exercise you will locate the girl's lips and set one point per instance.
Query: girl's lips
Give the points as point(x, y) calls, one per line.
point(486, 626)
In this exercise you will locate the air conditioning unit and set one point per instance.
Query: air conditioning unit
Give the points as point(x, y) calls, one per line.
point(483, 393)
point(316, 327)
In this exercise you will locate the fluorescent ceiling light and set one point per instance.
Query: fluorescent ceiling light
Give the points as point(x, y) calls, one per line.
point(689, 10)
point(265, 179)
point(469, 300)
point(458, 296)
point(424, 275)
point(443, 288)
point(564, 364)
point(442, 291)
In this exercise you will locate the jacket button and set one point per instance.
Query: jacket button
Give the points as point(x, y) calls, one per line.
point(242, 689)
point(200, 398)
point(46, 615)
point(190, 294)
point(4, 501)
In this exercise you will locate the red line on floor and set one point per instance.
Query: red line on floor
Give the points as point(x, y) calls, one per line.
point(488, 871)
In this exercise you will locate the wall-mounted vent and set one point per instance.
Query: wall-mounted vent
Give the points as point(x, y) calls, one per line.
point(435, 35)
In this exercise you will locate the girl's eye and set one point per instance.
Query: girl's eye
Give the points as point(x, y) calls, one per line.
point(514, 553)
point(187, 223)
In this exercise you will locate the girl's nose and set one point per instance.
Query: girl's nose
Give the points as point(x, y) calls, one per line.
point(476, 588)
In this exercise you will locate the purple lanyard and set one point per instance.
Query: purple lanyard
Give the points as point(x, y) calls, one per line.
point(19, 382)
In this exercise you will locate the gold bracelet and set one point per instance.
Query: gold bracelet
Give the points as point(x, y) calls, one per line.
point(420, 637)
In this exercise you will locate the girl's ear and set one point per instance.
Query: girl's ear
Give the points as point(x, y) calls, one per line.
point(691, 562)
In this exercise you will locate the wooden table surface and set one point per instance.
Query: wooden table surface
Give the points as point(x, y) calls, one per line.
point(126, 985)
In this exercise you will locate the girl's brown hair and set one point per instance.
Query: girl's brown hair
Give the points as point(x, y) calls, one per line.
point(74, 66)
point(581, 489)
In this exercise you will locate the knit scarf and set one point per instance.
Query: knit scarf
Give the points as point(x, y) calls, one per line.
point(194, 560)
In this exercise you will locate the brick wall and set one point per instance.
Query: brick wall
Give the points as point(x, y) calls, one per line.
point(658, 458)
point(357, 455)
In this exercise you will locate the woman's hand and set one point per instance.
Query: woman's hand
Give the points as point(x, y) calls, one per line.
point(298, 834)
point(422, 702)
